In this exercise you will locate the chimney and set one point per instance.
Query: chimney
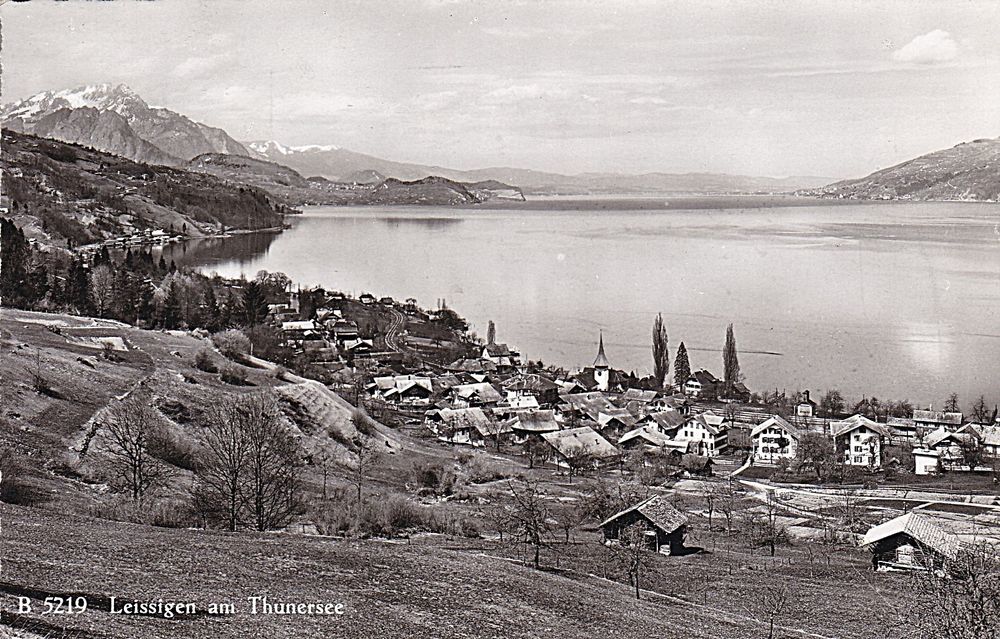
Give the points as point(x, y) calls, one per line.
point(806, 393)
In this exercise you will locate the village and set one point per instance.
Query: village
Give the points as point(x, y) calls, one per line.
point(929, 479)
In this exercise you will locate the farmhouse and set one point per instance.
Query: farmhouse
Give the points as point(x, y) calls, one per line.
point(466, 426)
point(910, 542)
point(576, 443)
point(774, 439)
point(479, 394)
point(665, 525)
point(532, 423)
point(928, 420)
point(706, 432)
point(702, 385)
point(648, 437)
point(860, 440)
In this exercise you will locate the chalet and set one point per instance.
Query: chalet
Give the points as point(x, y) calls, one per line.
point(343, 330)
point(403, 389)
point(532, 423)
point(367, 299)
point(678, 402)
point(544, 390)
point(501, 355)
point(649, 437)
point(586, 405)
point(807, 407)
point(468, 365)
point(738, 393)
point(910, 542)
point(466, 426)
point(706, 432)
point(386, 301)
point(638, 402)
point(358, 346)
point(926, 421)
point(989, 435)
point(669, 421)
point(665, 526)
point(774, 439)
point(615, 423)
point(296, 333)
point(702, 385)
point(576, 443)
point(479, 394)
point(948, 444)
point(860, 441)
point(902, 428)
point(601, 377)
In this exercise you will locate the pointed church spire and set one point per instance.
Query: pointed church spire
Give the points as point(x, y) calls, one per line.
point(602, 359)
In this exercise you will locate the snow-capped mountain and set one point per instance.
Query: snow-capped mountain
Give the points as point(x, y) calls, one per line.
point(139, 132)
point(270, 148)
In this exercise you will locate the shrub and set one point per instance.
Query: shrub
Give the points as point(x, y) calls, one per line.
point(232, 343)
point(434, 478)
point(234, 375)
point(482, 471)
point(203, 361)
point(165, 447)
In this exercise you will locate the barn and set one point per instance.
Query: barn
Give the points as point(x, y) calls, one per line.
point(910, 542)
point(665, 525)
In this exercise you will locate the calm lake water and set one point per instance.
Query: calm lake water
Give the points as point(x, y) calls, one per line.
point(896, 300)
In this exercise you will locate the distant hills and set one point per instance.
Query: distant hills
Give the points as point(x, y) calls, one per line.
point(969, 172)
point(290, 187)
point(342, 165)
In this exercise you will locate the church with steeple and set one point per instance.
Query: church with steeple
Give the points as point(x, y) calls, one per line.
point(600, 376)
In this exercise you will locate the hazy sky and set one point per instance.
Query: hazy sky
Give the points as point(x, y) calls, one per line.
point(832, 89)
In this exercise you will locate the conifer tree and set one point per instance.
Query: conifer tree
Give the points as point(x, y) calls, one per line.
point(682, 367)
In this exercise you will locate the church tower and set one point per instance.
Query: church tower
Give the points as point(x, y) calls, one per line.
point(602, 369)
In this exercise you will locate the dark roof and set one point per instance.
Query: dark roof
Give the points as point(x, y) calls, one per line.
point(531, 382)
point(937, 417)
point(658, 511)
point(704, 377)
point(602, 360)
point(666, 419)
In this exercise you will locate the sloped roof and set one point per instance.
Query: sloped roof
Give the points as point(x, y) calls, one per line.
point(704, 377)
point(619, 414)
point(666, 419)
point(919, 527)
point(531, 382)
point(776, 421)
point(710, 422)
point(584, 438)
point(937, 417)
point(471, 366)
point(602, 360)
point(989, 434)
point(592, 404)
point(649, 433)
point(658, 511)
point(483, 390)
point(469, 418)
point(935, 437)
point(535, 421)
point(854, 422)
point(638, 395)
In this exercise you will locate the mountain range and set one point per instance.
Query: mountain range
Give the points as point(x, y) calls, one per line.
point(343, 165)
point(116, 120)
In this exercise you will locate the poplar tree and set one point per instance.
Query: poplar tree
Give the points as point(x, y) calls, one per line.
point(730, 360)
point(661, 354)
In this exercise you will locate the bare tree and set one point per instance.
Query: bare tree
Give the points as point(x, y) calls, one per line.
point(368, 454)
point(102, 289)
point(972, 450)
point(225, 452)
point(963, 601)
point(270, 491)
point(130, 427)
point(661, 352)
point(771, 605)
point(578, 458)
point(951, 406)
point(632, 553)
point(530, 516)
point(980, 411)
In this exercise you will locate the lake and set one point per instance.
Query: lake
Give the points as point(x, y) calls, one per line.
point(895, 300)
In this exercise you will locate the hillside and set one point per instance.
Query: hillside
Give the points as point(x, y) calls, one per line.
point(365, 187)
point(969, 171)
point(116, 120)
point(341, 165)
point(64, 193)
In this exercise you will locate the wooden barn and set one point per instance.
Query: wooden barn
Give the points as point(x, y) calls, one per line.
point(910, 542)
point(666, 526)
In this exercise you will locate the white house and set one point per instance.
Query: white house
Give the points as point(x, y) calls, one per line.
point(774, 439)
point(707, 434)
point(861, 440)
